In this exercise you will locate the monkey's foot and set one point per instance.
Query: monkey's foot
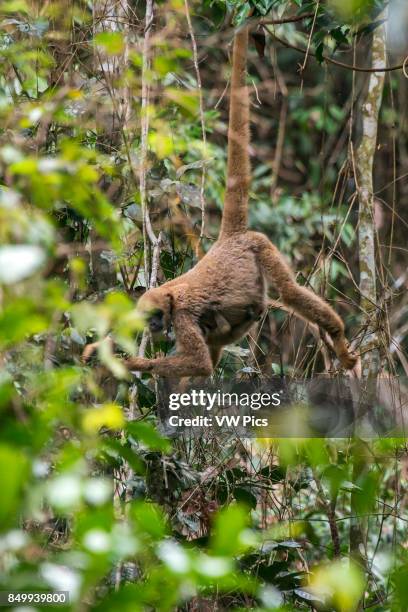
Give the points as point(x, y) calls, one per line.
point(348, 360)
point(346, 357)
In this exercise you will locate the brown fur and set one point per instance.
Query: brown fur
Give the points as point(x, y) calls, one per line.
point(217, 301)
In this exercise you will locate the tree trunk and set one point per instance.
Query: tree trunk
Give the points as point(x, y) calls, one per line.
point(370, 360)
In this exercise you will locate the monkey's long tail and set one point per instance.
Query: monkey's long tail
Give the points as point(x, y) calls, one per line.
point(235, 213)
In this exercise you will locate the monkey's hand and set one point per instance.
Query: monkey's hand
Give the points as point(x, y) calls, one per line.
point(349, 360)
point(91, 348)
point(192, 358)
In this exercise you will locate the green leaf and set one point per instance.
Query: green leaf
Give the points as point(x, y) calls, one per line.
point(27, 166)
point(163, 65)
point(400, 579)
point(149, 519)
point(369, 28)
point(187, 100)
point(15, 6)
point(19, 320)
point(108, 415)
point(229, 524)
point(13, 472)
point(148, 434)
point(275, 473)
point(340, 583)
point(161, 144)
point(245, 497)
point(269, 572)
point(111, 42)
point(242, 13)
point(6, 389)
point(319, 52)
point(339, 34)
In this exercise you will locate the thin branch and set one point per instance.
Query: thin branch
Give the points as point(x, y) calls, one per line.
point(290, 19)
point(285, 43)
point(148, 232)
point(309, 40)
point(276, 162)
point(330, 510)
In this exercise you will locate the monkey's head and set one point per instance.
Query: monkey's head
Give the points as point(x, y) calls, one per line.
point(155, 305)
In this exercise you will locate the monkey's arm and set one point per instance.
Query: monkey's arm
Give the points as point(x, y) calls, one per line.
point(192, 358)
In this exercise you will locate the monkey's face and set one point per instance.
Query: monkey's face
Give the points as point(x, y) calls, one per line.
point(155, 307)
point(156, 321)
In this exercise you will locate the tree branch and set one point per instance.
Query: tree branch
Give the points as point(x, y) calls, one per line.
point(330, 60)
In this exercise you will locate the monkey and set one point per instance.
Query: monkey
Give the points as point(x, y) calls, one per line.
point(214, 324)
point(217, 301)
point(212, 320)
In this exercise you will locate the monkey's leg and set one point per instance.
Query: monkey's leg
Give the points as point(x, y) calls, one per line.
point(304, 302)
point(192, 358)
